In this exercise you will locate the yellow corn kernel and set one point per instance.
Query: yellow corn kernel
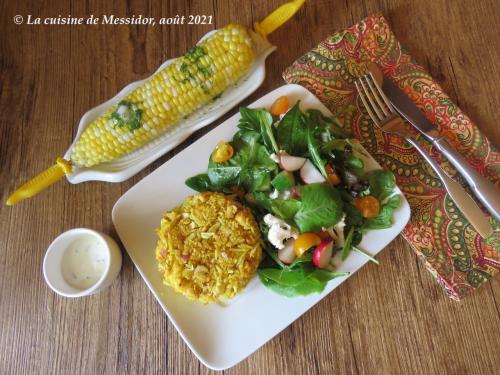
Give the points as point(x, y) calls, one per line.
point(190, 82)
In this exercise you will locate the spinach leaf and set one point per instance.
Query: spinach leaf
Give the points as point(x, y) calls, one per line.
point(283, 181)
point(201, 183)
point(326, 275)
point(344, 194)
point(357, 236)
point(255, 167)
point(295, 282)
point(321, 207)
point(259, 121)
point(382, 183)
point(263, 200)
point(335, 145)
point(245, 137)
point(223, 174)
point(291, 132)
point(314, 153)
point(283, 276)
point(393, 202)
point(250, 167)
point(354, 164)
point(278, 288)
point(285, 208)
point(384, 219)
point(305, 258)
point(272, 256)
point(328, 124)
point(273, 260)
point(353, 216)
point(268, 261)
point(255, 179)
point(249, 119)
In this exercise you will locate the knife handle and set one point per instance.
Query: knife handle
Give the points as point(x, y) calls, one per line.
point(457, 193)
point(484, 190)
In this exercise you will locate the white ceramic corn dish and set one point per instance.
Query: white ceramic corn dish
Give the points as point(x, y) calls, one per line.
point(130, 164)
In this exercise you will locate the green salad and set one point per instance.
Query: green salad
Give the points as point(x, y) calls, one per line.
point(307, 186)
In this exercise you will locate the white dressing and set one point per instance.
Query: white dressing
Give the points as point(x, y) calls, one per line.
point(84, 262)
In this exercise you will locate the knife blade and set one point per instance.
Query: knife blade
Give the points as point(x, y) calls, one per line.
point(483, 189)
point(409, 110)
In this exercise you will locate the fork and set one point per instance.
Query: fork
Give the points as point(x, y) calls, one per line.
point(385, 117)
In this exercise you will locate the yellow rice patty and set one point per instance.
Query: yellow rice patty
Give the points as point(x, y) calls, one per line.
point(209, 247)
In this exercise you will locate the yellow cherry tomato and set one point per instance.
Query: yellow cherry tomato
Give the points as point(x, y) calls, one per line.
point(369, 206)
point(223, 152)
point(280, 106)
point(304, 242)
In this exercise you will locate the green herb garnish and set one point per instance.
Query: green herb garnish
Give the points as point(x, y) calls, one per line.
point(127, 114)
point(192, 62)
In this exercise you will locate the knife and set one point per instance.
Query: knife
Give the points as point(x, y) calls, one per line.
point(483, 189)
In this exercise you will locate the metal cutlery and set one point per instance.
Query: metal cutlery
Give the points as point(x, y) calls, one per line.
point(388, 120)
point(483, 189)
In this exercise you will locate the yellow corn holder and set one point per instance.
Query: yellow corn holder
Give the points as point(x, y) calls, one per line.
point(277, 18)
point(171, 94)
point(41, 181)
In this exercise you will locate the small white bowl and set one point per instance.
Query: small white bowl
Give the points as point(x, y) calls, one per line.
point(81, 262)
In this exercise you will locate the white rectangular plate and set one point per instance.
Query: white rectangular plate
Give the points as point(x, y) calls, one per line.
point(221, 335)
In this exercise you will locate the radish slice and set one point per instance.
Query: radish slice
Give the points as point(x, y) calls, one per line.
point(310, 174)
point(291, 163)
point(323, 253)
point(287, 254)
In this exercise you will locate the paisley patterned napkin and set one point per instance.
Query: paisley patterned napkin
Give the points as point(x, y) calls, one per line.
point(453, 251)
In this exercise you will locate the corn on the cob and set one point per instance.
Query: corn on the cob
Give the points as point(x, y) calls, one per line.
point(191, 81)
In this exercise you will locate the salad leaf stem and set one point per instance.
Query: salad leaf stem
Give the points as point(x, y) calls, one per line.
point(314, 152)
point(266, 129)
point(357, 250)
point(347, 244)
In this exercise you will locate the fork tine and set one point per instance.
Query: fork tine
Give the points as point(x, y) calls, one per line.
point(382, 95)
point(369, 96)
point(362, 95)
point(376, 94)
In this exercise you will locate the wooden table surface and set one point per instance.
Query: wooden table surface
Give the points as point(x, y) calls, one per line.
point(390, 319)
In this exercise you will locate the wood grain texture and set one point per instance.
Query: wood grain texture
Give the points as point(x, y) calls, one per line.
point(390, 319)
